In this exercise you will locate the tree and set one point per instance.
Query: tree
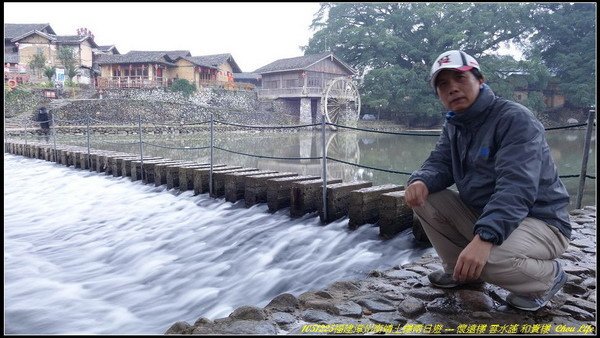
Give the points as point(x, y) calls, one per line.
point(566, 42)
point(183, 86)
point(66, 56)
point(49, 72)
point(393, 44)
point(37, 63)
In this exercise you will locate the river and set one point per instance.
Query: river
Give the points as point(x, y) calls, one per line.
point(93, 254)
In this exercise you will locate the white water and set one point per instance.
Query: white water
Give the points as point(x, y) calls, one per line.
point(94, 254)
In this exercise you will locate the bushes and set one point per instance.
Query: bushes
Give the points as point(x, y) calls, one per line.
point(183, 86)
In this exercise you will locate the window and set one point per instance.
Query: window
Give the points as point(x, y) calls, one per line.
point(293, 83)
point(313, 82)
point(272, 84)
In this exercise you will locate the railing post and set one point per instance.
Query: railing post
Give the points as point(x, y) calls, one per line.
point(324, 145)
point(54, 136)
point(88, 140)
point(141, 146)
point(25, 125)
point(210, 172)
point(584, 161)
point(5, 135)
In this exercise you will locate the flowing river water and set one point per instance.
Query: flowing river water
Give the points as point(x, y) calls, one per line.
point(89, 253)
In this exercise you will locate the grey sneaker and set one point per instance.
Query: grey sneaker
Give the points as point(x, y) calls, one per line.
point(533, 303)
point(444, 280)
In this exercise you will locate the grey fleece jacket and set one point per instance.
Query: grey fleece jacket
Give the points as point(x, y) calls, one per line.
point(496, 153)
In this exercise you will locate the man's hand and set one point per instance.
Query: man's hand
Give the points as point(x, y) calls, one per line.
point(472, 259)
point(416, 194)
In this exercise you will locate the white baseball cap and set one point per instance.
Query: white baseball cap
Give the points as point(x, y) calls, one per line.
point(452, 59)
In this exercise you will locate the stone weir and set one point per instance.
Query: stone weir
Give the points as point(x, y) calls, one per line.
point(361, 201)
point(400, 300)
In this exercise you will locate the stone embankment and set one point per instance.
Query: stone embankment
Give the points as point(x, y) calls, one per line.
point(402, 301)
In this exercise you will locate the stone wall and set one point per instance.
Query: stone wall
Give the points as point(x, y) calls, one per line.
point(22, 102)
point(123, 106)
point(214, 97)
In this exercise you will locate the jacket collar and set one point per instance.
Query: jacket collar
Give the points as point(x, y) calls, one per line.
point(477, 112)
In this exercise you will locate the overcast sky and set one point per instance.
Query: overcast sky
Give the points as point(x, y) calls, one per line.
point(255, 34)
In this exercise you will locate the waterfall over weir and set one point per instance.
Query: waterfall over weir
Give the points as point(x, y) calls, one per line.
point(90, 253)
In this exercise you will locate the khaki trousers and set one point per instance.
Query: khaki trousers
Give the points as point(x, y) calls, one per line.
point(524, 263)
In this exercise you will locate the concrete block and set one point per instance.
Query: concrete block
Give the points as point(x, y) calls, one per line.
point(255, 190)
point(394, 215)
point(338, 199)
point(126, 164)
point(136, 167)
point(201, 177)
point(115, 164)
point(172, 174)
point(364, 204)
point(160, 171)
point(148, 170)
point(102, 161)
point(279, 190)
point(186, 178)
point(235, 183)
point(219, 180)
point(304, 196)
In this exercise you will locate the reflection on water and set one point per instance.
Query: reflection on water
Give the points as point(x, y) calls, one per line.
point(400, 154)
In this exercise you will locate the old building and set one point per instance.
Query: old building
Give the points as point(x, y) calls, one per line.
point(207, 70)
point(299, 83)
point(248, 80)
point(160, 68)
point(41, 39)
point(138, 68)
point(12, 68)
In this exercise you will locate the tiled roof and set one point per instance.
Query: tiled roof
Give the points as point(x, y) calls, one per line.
point(12, 30)
point(74, 39)
point(215, 60)
point(50, 37)
point(136, 57)
point(298, 63)
point(60, 39)
point(198, 61)
point(108, 48)
point(11, 58)
point(173, 54)
point(246, 76)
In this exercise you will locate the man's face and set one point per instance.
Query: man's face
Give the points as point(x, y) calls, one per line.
point(457, 90)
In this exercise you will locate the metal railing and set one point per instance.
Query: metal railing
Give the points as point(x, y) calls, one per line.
point(324, 157)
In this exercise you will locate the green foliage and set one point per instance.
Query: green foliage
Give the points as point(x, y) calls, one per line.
point(66, 56)
point(535, 102)
point(183, 86)
point(19, 101)
point(392, 92)
point(37, 62)
point(49, 72)
point(394, 44)
point(15, 93)
point(566, 42)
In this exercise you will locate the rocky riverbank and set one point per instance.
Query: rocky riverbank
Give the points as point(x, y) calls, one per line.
point(402, 301)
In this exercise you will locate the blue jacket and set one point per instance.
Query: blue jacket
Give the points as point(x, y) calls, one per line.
point(497, 155)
